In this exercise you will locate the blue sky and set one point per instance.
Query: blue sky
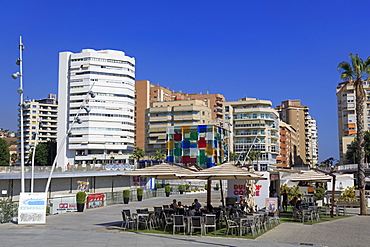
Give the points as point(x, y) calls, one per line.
point(275, 50)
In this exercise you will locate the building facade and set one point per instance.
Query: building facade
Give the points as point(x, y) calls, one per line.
point(162, 115)
point(148, 93)
point(41, 116)
point(288, 146)
point(204, 145)
point(96, 107)
point(254, 125)
point(297, 115)
point(346, 99)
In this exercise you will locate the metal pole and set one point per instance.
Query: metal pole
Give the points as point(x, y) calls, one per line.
point(332, 197)
point(33, 157)
point(222, 194)
point(20, 90)
point(209, 184)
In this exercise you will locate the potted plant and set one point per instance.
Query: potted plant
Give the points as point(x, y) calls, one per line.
point(139, 192)
point(181, 189)
point(217, 186)
point(167, 189)
point(126, 196)
point(80, 200)
point(187, 188)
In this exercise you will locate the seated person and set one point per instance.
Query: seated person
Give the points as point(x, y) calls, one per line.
point(196, 204)
point(192, 211)
point(242, 202)
point(294, 201)
point(174, 205)
point(299, 201)
point(179, 205)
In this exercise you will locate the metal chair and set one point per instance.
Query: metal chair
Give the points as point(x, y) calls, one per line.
point(178, 222)
point(168, 221)
point(230, 224)
point(196, 222)
point(142, 219)
point(307, 214)
point(248, 224)
point(210, 222)
point(127, 221)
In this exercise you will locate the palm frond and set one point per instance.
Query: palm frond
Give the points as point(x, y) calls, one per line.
point(347, 76)
point(367, 62)
point(344, 66)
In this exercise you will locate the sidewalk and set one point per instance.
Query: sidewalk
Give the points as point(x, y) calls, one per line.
point(100, 227)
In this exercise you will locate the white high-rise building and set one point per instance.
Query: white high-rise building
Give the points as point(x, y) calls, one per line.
point(105, 133)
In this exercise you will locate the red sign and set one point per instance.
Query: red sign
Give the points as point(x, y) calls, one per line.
point(95, 200)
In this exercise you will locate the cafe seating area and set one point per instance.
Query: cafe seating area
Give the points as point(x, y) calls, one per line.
point(220, 221)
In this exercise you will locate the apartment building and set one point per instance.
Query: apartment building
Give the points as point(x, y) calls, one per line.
point(288, 146)
point(96, 106)
point(312, 149)
point(346, 99)
point(147, 93)
point(297, 115)
point(40, 116)
point(162, 115)
point(254, 125)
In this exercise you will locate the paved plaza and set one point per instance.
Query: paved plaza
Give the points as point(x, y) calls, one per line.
point(100, 227)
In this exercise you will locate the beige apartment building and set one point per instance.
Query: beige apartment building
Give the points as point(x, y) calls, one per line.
point(173, 113)
point(44, 111)
point(297, 115)
point(288, 146)
point(254, 125)
point(147, 93)
point(347, 116)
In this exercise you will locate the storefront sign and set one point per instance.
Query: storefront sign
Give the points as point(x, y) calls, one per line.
point(32, 208)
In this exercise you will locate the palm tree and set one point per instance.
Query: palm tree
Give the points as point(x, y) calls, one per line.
point(14, 157)
point(137, 154)
point(357, 73)
point(254, 155)
point(159, 155)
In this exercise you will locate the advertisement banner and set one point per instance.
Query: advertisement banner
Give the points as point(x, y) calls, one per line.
point(62, 203)
point(32, 208)
point(272, 204)
point(95, 200)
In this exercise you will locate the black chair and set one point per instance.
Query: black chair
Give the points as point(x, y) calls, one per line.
point(181, 211)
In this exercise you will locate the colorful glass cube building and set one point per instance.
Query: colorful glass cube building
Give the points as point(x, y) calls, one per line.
point(204, 145)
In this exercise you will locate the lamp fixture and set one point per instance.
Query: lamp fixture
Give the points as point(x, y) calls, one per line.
point(15, 75)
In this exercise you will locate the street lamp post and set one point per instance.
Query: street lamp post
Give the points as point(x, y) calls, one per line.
point(39, 125)
point(61, 144)
point(21, 105)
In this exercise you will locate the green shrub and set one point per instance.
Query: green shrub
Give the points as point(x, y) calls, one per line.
point(348, 194)
point(139, 191)
point(181, 187)
point(167, 188)
point(81, 197)
point(158, 185)
point(292, 191)
point(126, 193)
point(206, 186)
point(217, 185)
point(320, 192)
